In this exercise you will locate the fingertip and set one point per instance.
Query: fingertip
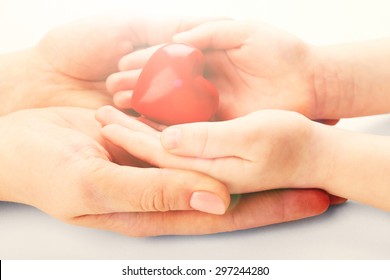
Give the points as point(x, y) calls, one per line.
point(200, 191)
point(110, 83)
point(101, 113)
point(317, 201)
point(123, 63)
point(208, 202)
point(122, 81)
point(336, 200)
point(305, 203)
point(122, 99)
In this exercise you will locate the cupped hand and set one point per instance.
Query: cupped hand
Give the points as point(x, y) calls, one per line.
point(56, 160)
point(263, 150)
point(253, 65)
point(266, 149)
point(69, 66)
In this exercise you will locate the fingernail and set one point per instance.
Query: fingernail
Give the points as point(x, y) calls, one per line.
point(170, 138)
point(207, 202)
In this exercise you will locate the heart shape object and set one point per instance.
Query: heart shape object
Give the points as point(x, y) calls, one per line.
point(171, 88)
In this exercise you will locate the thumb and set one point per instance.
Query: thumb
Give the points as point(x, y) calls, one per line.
point(222, 34)
point(132, 189)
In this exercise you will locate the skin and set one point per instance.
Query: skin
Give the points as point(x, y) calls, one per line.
point(48, 92)
point(70, 64)
point(274, 149)
point(248, 163)
point(257, 67)
point(73, 174)
point(133, 201)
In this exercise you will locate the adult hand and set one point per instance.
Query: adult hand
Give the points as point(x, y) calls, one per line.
point(69, 66)
point(56, 160)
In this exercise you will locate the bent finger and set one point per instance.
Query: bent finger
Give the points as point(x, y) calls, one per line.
point(122, 81)
point(108, 115)
point(222, 34)
point(122, 99)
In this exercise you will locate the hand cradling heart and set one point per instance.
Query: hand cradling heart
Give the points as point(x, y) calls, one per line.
point(171, 88)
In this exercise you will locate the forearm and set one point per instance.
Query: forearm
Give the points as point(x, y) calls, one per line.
point(355, 166)
point(353, 80)
point(4, 163)
point(11, 73)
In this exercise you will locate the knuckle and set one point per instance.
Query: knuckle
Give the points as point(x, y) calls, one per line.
point(156, 199)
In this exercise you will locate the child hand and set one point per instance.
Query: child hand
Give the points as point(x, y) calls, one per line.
point(255, 67)
point(264, 150)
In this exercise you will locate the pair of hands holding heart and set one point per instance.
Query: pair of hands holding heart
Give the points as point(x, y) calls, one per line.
point(173, 88)
point(96, 184)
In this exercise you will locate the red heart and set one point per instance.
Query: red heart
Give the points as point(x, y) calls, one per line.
point(171, 88)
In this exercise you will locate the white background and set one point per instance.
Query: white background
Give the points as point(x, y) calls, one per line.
point(349, 231)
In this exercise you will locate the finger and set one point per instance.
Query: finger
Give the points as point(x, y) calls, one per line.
point(128, 189)
point(156, 126)
point(328, 121)
point(206, 139)
point(122, 99)
point(335, 200)
point(223, 34)
point(120, 81)
point(104, 41)
point(147, 148)
point(150, 32)
point(143, 142)
point(250, 211)
point(107, 115)
point(137, 59)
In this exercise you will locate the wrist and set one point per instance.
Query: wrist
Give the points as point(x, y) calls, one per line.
point(355, 166)
point(333, 83)
point(317, 159)
point(21, 84)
